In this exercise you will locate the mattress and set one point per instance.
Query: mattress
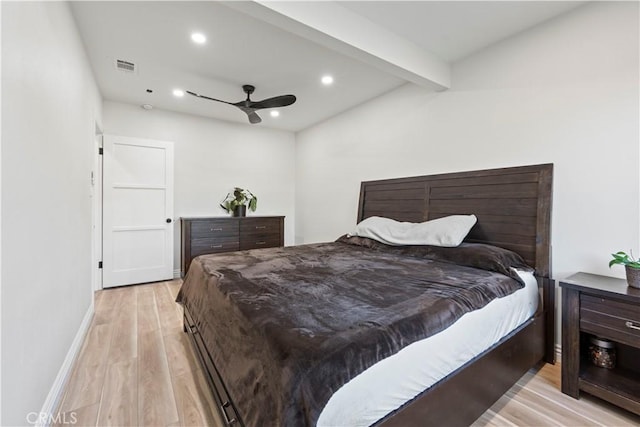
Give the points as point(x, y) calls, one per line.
point(392, 382)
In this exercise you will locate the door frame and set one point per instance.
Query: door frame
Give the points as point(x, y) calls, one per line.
point(96, 213)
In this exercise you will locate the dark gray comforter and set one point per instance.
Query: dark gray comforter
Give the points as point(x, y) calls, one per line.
point(289, 326)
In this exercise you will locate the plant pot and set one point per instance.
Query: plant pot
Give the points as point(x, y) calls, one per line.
point(240, 211)
point(633, 276)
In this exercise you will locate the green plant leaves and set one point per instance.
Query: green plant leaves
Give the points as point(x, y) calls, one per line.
point(238, 198)
point(622, 258)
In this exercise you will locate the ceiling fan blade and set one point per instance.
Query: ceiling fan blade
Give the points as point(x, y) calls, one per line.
point(254, 118)
point(250, 112)
point(207, 97)
point(276, 101)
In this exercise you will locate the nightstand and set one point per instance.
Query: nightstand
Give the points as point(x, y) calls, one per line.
point(603, 307)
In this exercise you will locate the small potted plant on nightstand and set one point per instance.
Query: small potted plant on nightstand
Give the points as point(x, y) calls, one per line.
point(631, 265)
point(238, 201)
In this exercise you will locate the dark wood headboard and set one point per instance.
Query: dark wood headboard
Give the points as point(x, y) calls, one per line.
point(513, 206)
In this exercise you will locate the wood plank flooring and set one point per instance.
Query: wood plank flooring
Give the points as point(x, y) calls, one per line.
point(137, 368)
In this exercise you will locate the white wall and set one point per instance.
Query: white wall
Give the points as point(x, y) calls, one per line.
point(565, 92)
point(51, 105)
point(212, 157)
point(0, 225)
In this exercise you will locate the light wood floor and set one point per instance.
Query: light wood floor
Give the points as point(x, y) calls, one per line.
point(136, 367)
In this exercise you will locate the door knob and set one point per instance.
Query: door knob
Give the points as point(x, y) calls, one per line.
point(168, 220)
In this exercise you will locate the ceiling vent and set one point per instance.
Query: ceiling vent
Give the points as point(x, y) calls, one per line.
point(126, 66)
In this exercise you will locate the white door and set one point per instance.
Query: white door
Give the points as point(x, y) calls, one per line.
point(137, 211)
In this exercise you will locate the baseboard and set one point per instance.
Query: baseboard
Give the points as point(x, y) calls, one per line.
point(176, 274)
point(53, 401)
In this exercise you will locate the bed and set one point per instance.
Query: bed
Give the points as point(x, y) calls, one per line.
point(513, 207)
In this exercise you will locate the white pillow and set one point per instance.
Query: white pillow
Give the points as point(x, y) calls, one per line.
point(449, 231)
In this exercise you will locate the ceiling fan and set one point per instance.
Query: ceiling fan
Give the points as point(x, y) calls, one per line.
point(249, 107)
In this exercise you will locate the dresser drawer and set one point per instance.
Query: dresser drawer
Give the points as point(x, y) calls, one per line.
point(262, 232)
point(214, 228)
point(257, 241)
point(611, 319)
point(260, 226)
point(214, 245)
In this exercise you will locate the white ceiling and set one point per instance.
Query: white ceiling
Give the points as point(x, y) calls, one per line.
point(455, 29)
point(283, 58)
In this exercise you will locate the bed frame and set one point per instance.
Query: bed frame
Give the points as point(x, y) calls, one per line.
point(513, 206)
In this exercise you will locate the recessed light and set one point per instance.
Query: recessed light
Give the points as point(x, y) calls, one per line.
point(198, 38)
point(147, 106)
point(275, 113)
point(179, 93)
point(327, 80)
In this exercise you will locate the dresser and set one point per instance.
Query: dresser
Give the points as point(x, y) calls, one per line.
point(606, 308)
point(210, 235)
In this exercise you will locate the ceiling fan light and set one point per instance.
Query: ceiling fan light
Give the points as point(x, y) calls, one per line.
point(178, 92)
point(327, 80)
point(198, 38)
point(275, 113)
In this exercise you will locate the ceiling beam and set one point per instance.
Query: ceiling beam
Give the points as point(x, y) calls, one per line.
point(337, 28)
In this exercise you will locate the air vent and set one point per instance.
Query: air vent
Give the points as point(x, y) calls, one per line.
point(126, 66)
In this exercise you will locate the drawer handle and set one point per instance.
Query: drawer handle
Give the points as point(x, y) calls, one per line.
point(228, 421)
point(216, 246)
point(261, 243)
point(216, 229)
point(258, 227)
point(630, 325)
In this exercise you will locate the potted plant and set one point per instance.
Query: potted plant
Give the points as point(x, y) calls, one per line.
point(238, 201)
point(631, 265)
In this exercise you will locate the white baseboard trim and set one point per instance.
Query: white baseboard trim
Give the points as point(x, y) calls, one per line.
point(53, 401)
point(176, 274)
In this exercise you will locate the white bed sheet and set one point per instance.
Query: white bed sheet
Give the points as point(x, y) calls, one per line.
point(390, 383)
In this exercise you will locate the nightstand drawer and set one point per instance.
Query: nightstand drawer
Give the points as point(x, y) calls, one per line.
point(610, 318)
